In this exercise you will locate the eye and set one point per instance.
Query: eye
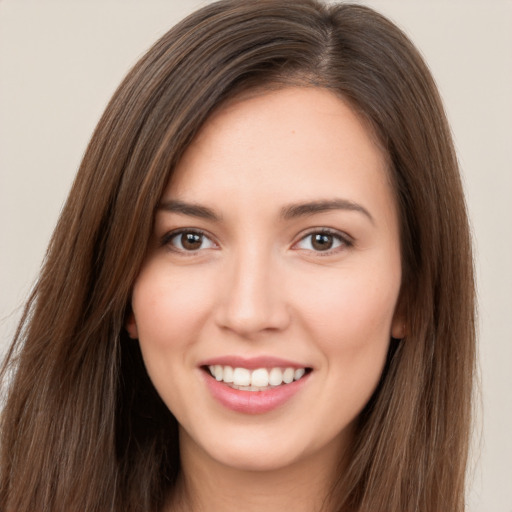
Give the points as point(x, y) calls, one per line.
point(188, 241)
point(322, 241)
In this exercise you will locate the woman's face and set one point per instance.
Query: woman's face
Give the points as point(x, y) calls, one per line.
point(275, 266)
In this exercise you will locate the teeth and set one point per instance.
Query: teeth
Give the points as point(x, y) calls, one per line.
point(259, 378)
point(218, 372)
point(299, 373)
point(255, 380)
point(275, 377)
point(241, 377)
point(288, 375)
point(228, 374)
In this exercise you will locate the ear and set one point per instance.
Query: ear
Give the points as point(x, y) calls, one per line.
point(398, 324)
point(131, 326)
point(398, 329)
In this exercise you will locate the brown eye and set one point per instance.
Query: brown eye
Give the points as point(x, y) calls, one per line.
point(322, 241)
point(188, 241)
point(191, 241)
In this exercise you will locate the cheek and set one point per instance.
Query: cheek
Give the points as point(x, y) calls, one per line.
point(349, 315)
point(350, 307)
point(169, 310)
point(168, 307)
point(350, 321)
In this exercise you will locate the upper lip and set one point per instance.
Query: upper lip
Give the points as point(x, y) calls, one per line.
point(252, 363)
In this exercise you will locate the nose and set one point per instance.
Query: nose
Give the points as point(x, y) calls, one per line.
point(253, 296)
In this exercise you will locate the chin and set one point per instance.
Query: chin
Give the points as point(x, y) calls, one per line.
point(263, 450)
point(255, 458)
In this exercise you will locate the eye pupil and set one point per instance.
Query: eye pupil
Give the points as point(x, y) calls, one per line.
point(322, 241)
point(191, 241)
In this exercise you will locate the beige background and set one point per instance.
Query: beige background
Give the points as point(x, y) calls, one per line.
point(60, 61)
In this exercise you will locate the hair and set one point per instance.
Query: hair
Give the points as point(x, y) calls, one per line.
point(83, 428)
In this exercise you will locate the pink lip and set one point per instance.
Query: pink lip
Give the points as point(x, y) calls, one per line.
point(253, 402)
point(252, 363)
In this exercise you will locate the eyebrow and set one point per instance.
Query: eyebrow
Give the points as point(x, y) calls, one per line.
point(190, 209)
point(288, 212)
point(313, 207)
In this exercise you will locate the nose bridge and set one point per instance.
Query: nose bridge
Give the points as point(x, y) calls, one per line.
point(253, 301)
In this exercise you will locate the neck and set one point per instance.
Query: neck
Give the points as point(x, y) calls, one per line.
point(205, 484)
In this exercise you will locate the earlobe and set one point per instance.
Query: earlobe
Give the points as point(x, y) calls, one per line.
point(398, 329)
point(131, 326)
point(398, 324)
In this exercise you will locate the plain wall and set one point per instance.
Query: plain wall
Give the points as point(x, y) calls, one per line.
point(60, 61)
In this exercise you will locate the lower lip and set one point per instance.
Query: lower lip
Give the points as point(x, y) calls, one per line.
point(253, 402)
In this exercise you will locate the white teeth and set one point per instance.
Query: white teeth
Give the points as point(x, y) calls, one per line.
point(275, 377)
point(288, 375)
point(299, 373)
point(259, 378)
point(218, 372)
point(241, 377)
point(255, 380)
point(228, 374)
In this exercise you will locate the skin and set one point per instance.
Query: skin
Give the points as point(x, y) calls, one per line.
point(256, 285)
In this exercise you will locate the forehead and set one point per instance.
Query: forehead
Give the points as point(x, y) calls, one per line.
point(291, 144)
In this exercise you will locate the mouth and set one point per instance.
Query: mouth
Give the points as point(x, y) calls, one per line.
point(255, 380)
point(254, 385)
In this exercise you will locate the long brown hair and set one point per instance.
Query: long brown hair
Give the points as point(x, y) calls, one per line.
point(83, 428)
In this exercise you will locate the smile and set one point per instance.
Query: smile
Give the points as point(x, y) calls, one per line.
point(254, 386)
point(260, 379)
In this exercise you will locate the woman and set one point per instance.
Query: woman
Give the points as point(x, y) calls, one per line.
point(271, 202)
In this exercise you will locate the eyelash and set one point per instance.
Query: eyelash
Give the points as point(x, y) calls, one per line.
point(167, 239)
point(343, 240)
